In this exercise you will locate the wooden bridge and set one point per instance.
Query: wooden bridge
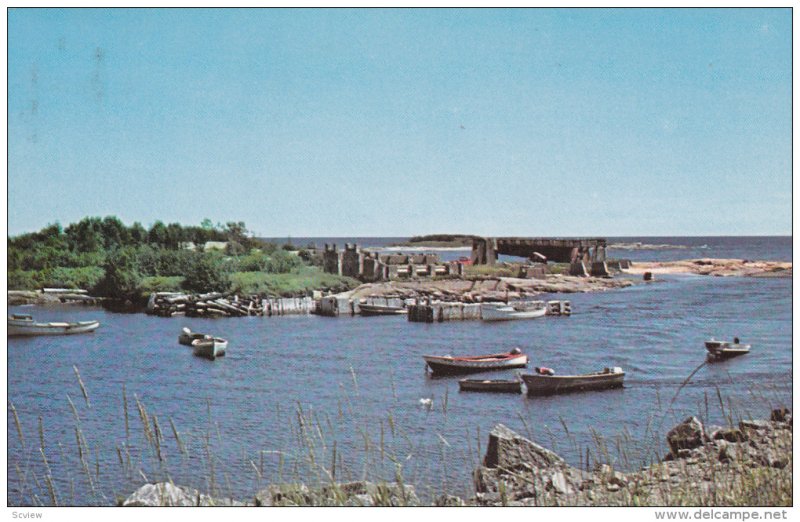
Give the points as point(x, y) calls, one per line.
point(559, 250)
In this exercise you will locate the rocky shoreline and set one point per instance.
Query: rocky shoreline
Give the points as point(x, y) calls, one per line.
point(715, 267)
point(748, 465)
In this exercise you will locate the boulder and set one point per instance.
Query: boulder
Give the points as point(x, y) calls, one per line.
point(757, 425)
point(509, 451)
point(781, 415)
point(728, 434)
point(163, 494)
point(686, 435)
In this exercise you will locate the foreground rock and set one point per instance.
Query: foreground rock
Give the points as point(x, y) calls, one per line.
point(361, 493)
point(715, 267)
point(745, 465)
point(164, 494)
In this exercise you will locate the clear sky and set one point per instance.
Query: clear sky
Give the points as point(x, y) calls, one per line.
point(402, 122)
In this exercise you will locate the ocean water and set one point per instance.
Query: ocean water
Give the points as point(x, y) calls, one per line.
point(295, 391)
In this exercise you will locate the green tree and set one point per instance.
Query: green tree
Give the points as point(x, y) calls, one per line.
point(157, 235)
point(208, 275)
point(122, 278)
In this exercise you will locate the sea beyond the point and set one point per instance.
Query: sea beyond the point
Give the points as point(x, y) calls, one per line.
point(312, 399)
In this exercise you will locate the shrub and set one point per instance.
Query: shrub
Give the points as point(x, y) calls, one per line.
point(60, 277)
point(122, 277)
point(154, 284)
point(22, 280)
point(209, 274)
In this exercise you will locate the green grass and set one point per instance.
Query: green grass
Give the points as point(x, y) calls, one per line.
point(300, 281)
point(161, 284)
point(482, 271)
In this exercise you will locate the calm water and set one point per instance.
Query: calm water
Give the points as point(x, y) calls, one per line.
point(290, 388)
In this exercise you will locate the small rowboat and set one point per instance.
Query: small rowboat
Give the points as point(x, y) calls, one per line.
point(449, 365)
point(210, 348)
point(23, 325)
point(721, 350)
point(187, 336)
point(508, 312)
point(539, 384)
point(493, 386)
point(373, 309)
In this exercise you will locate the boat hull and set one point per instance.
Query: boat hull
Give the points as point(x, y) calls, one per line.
point(554, 384)
point(18, 329)
point(187, 339)
point(456, 366)
point(374, 310)
point(490, 386)
point(495, 312)
point(210, 348)
point(722, 350)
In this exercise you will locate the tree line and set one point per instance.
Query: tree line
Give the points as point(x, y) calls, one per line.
point(110, 259)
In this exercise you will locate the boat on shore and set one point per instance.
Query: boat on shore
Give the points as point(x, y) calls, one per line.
point(546, 384)
point(449, 365)
point(187, 336)
point(24, 325)
point(722, 350)
point(490, 386)
point(210, 347)
point(370, 310)
point(508, 312)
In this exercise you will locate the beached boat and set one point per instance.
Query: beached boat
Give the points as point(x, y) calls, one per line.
point(187, 336)
point(492, 386)
point(508, 312)
point(545, 384)
point(210, 348)
point(20, 324)
point(373, 309)
point(449, 365)
point(721, 350)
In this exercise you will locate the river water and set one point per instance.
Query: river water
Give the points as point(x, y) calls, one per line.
point(299, 398)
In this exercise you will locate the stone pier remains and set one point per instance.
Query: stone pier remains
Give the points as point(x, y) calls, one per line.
point(373, 266)
point(579, 253)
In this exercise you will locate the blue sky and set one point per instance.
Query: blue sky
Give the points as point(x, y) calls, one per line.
point(403, 122)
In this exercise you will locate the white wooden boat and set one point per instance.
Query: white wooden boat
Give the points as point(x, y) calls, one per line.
point(187, 336)
point(544, 384)
point(20, 324)
point(491, 386)
point(210, 348)
point(449, 365)
point(508, 312)
point(721, 350)
point(373, 309)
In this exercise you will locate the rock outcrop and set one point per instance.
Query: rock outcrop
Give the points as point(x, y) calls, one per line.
point(745, 465)
point(715, 267)
point(162, 494)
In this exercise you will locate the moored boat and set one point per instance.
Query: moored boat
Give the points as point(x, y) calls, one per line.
point(508, 312)
point(547, 384)
point(187, 336)
point(449, 365)
point(22, 325)
point(373, 310)
point(721, 350)
point(492, 386)
point(210, 347)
